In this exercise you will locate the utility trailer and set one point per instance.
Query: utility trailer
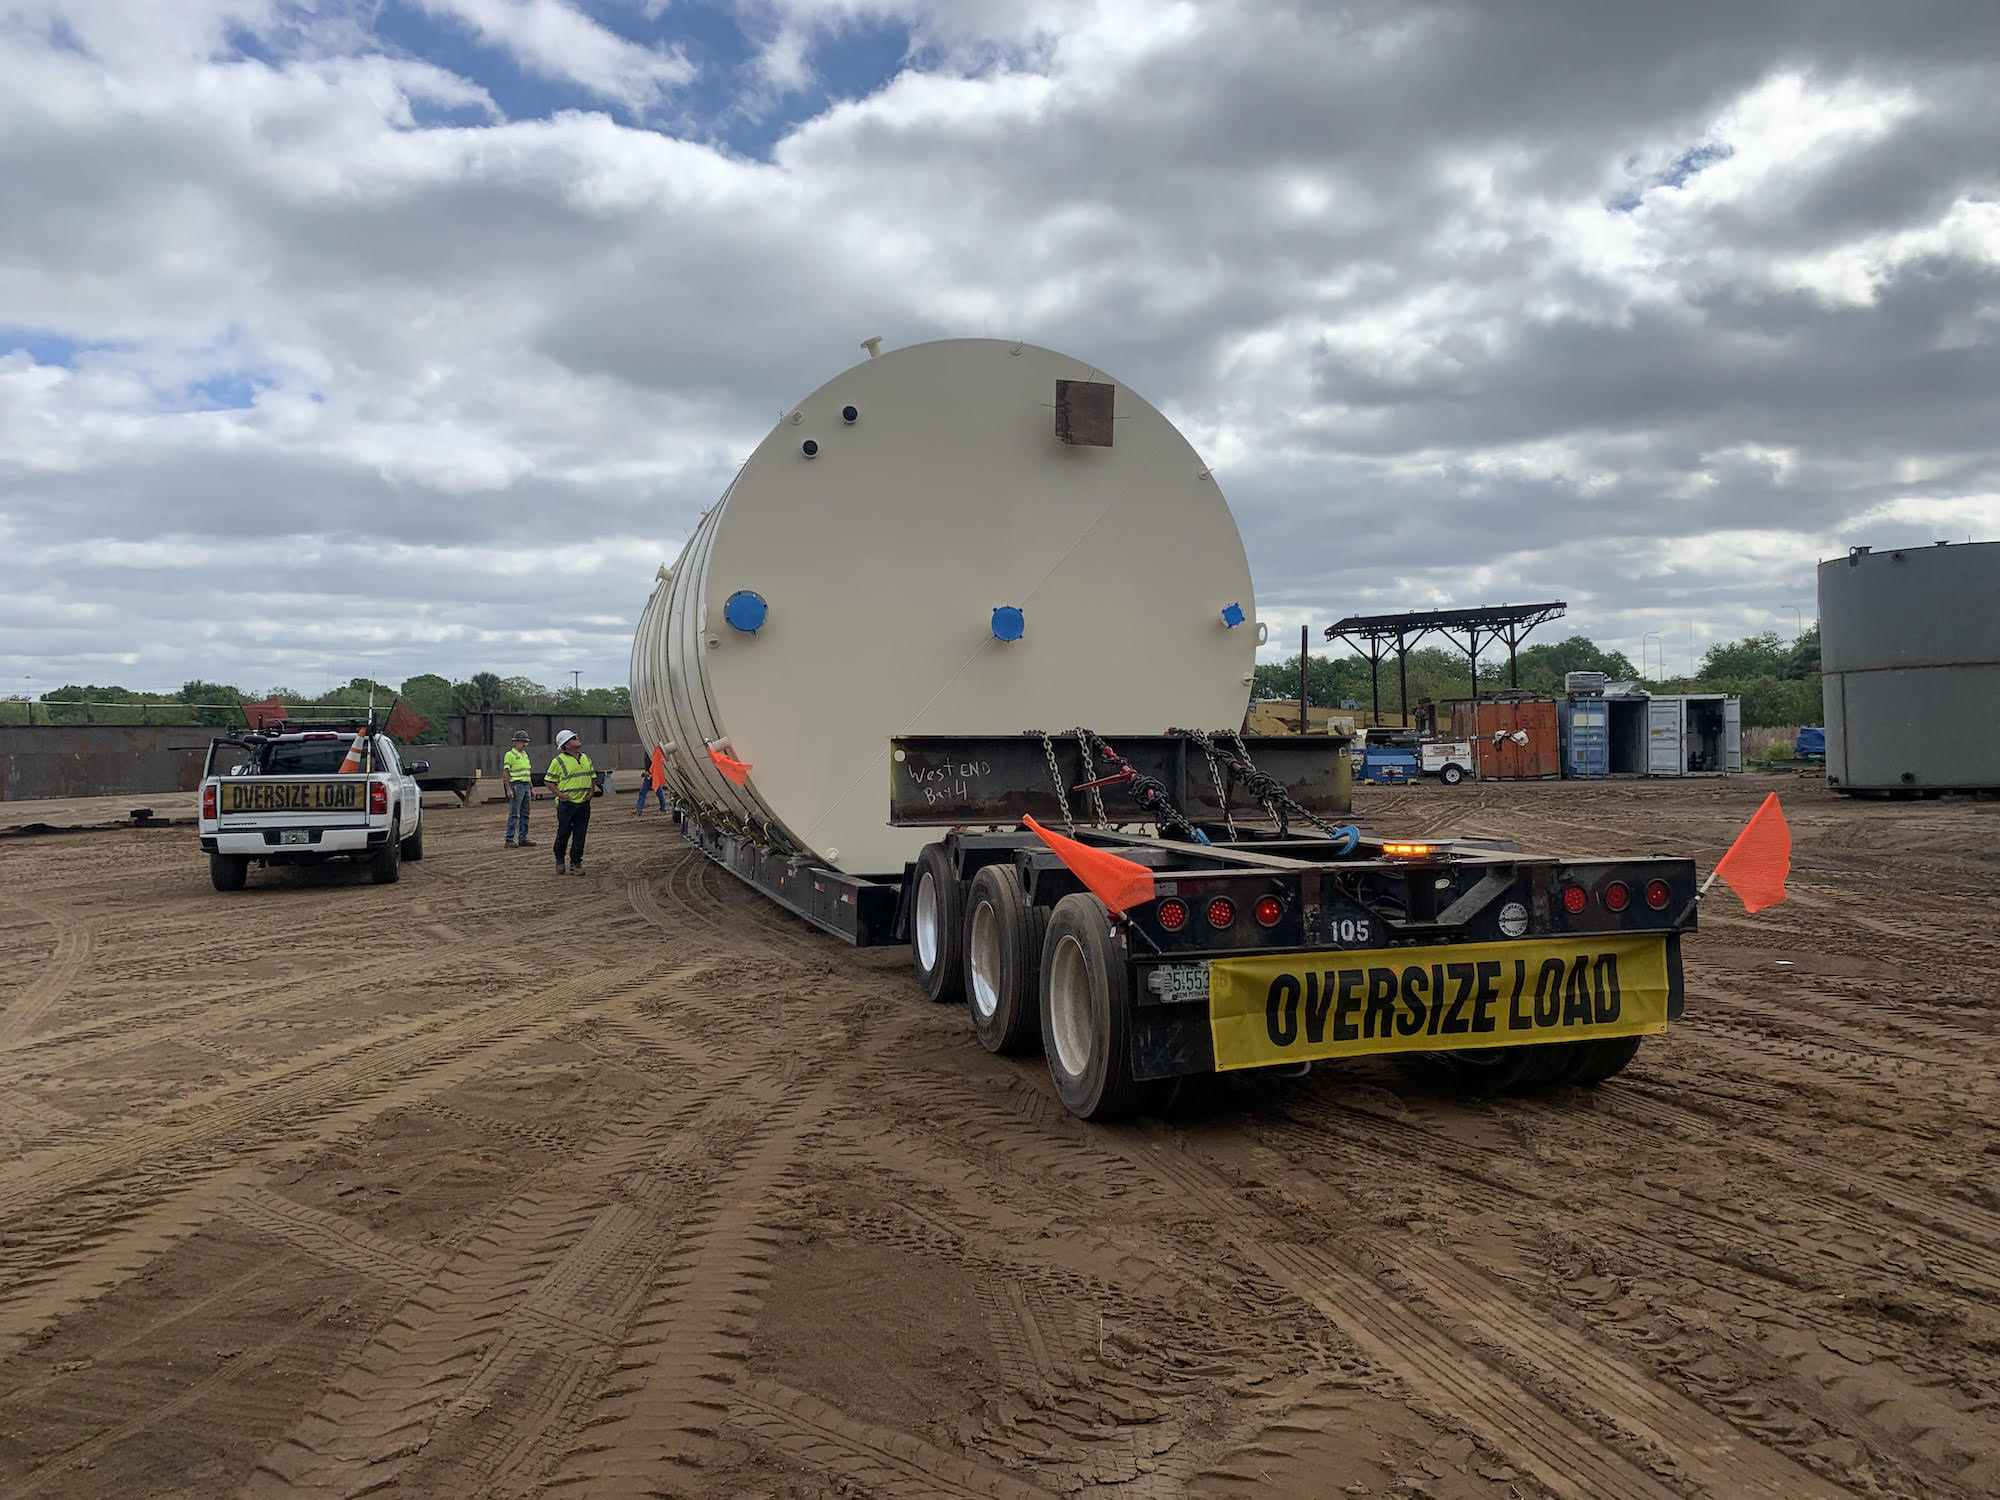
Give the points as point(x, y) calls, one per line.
point(1247, 932)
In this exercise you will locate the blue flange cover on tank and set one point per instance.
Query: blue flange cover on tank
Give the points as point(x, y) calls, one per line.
point(1009, 624)
point(745, 611)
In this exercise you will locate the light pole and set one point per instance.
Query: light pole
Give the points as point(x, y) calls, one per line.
point(1799, 619)
point(1651, 635)
point(576, 680)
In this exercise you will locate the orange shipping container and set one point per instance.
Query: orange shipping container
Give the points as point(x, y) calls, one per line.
point(1530, 743)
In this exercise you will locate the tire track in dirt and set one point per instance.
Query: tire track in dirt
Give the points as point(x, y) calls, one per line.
point(295, 1093)
point(1506, 1416)
point(511, 1311)
point(1971, 1225)
point(688, 1344)
point(1677, 1435)
point(334, 1240)
point(894, 1465)
point(53, 976)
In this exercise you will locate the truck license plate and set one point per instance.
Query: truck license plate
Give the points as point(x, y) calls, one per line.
point(1179, 984)
point(295, 836)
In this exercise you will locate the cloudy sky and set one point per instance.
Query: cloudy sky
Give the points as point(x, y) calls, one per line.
point(345, 336)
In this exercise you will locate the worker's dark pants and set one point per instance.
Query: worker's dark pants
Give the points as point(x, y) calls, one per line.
point(572, 823)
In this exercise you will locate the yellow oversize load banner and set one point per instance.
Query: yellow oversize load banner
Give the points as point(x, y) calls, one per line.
point(292, 796)
point(1295, 1006)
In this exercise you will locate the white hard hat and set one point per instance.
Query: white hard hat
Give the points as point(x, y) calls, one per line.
point(564, 736)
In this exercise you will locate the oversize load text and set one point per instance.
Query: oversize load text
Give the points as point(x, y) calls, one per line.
point(291, 796)
point(1304, 1005)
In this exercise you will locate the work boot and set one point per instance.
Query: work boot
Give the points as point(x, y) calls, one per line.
point(576, 869)
point(559, 868)
point(509, 844)
point(524, 843)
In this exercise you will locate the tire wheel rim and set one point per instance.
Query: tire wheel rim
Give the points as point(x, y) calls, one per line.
point(927, 923)
point(983, 960)
point(1071, 1016)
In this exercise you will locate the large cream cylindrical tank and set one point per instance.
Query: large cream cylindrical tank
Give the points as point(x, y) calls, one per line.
point(1910, 663)
point(965, 537)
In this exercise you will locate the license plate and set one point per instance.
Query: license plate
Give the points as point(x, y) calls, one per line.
point(1179, 984)
point(291, 796)
point(295, 836)
point(1289, 1007)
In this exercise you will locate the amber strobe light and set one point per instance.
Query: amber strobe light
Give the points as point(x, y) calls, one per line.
point(1221, 912)
point(1575, 898)
point(1269, 909)
point(1657, 894)
point(1172, 913)
point(1406, 849)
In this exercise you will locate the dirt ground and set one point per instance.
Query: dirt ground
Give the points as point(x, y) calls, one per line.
point(497, 1184)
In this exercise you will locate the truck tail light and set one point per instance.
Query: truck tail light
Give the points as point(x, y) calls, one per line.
point(1221, 912)
point(1575, 898)
point(1172, 914)
point(208, 801)
point(1617, 896)
point(378, 796)
point(1657, 894)
point(1269, 910)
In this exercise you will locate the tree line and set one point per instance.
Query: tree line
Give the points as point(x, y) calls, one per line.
point(432, 697)
point(1777, 680)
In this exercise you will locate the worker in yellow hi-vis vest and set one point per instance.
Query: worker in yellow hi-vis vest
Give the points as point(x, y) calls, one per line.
point(572, 778)
point(520, 774)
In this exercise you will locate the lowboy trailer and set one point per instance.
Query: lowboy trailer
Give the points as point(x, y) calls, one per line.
point(1248, 932)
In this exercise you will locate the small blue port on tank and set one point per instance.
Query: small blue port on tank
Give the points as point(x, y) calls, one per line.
point(1009, 624)
point(1232, 615)
point(745, 611)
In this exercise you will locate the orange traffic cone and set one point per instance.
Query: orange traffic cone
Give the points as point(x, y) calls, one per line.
point(354, 752)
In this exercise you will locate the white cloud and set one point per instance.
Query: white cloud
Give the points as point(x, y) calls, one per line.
point(556, 40)
point(1361, 253)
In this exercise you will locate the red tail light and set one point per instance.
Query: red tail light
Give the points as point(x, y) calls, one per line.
point(208, 802)
point(1617, 896)
point(378, 797)
point(1269, 910)
point(1575, 898)
point(1657, 894)
point(1172, 913)
point(1221, 912)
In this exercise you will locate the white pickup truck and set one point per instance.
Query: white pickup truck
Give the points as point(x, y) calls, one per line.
point(279, 797)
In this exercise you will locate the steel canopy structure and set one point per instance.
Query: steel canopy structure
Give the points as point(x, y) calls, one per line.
point(1372, 636)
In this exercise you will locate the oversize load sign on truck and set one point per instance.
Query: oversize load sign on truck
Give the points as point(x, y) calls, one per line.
point(1295, 1006)
point(291, 796)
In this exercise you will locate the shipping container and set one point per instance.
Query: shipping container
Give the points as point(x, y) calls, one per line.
point(1696, 734)
point(1604, 735)
point(1516, 739)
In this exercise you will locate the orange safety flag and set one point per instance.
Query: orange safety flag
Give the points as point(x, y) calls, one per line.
point(353, 762)
point(1120, 884)
point(1758, 862)
point(404, 724)
point(257, 715)
point(735, 770)
point(659, 766)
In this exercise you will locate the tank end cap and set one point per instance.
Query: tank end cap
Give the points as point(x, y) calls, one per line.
point(745, 611)
point(1009, 624)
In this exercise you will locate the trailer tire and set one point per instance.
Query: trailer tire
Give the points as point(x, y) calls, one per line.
point(227, 872)
point(385, 865)
point(1086, 1010)
point(1485, 1071)
point(1452, 775)
point(1003, 962)
point(1597, 1061)
point(937, 927)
